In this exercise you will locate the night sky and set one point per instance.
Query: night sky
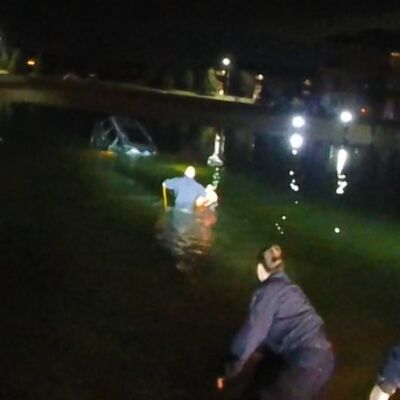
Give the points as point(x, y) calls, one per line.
point(191, 32)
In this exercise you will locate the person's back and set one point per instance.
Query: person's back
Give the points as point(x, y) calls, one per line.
point(291, 321)
point(186, 190)
point(296, 322)
point(283, 326)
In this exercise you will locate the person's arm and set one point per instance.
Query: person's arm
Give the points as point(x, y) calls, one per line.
point(170, 184)
point(255, 328)
point(389, 379)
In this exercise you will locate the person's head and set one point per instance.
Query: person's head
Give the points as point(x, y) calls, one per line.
point(269, 261)
point(190, 172)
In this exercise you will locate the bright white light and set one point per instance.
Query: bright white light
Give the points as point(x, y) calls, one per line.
point(226, 61)
point(341, 160)
point(296, 202)
point(282, 233)
point(291, 172)
point(260, 77)
point(295, 152)
point(221, 92)
point(294, 187)
point(341, 186)
point(296, 141)
point(337, 230)
point(346, 116)
point(284, 217)
point(298, 121)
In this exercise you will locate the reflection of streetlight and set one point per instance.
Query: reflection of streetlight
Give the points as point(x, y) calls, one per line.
point(298, 121)
point(227, 63)
point(296, 141)
point(341, 160)
point(215, 159)
point(342, 183)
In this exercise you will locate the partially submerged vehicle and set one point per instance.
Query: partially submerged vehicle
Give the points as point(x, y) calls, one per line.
point(122, 135)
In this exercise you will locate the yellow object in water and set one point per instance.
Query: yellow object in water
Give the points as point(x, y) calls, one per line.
point(164, 192)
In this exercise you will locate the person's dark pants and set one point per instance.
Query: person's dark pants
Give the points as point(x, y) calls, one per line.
point(301, 378)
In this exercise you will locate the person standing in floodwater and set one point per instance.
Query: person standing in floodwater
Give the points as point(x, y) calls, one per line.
point(186, 189)
point(186, 229)
point(284, 335)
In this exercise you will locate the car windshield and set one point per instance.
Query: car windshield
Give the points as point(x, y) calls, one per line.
point(133, 131)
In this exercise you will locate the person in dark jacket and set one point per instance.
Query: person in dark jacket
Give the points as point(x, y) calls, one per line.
point(389, 380)
point(283, 327)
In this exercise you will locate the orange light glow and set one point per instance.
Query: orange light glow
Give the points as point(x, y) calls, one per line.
point(31, 62)
point(107, 153)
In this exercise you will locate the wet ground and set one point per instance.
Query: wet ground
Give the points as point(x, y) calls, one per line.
point(94, 306)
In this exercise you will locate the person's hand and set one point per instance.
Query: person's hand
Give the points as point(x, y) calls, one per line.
point(378, 394)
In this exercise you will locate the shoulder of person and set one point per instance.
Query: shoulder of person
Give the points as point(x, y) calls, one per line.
point(273, 285)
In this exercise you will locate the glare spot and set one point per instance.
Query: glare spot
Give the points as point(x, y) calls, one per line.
point(296, 202)
point(294, 187)
point(296, 141)
point(295, 152)
point(298, 121)
point(226, 61)
point(284, 217)
point(341, 186)
point(346, 116)
point(291, 172)
point(341, 160)
point(337, 230)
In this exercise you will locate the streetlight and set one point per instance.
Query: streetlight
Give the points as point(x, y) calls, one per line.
point(346, 116)
point(31, 62)
point(227, 63)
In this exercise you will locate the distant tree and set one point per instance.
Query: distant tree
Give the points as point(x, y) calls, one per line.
point(243, 84)
point(168, 81)
point(14, 62)
point(38, 68)
point(4, 59)
point(148, 77)
point(188, 80)
point(247, 84)
point(209, 83)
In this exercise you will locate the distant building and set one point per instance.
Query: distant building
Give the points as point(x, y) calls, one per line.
point(361, 72)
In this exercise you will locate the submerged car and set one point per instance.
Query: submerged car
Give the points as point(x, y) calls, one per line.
point(122, 135)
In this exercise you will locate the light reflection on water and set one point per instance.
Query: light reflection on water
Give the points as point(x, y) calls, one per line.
point(188, 237)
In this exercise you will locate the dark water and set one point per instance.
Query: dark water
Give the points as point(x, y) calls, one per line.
point(106, 295)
